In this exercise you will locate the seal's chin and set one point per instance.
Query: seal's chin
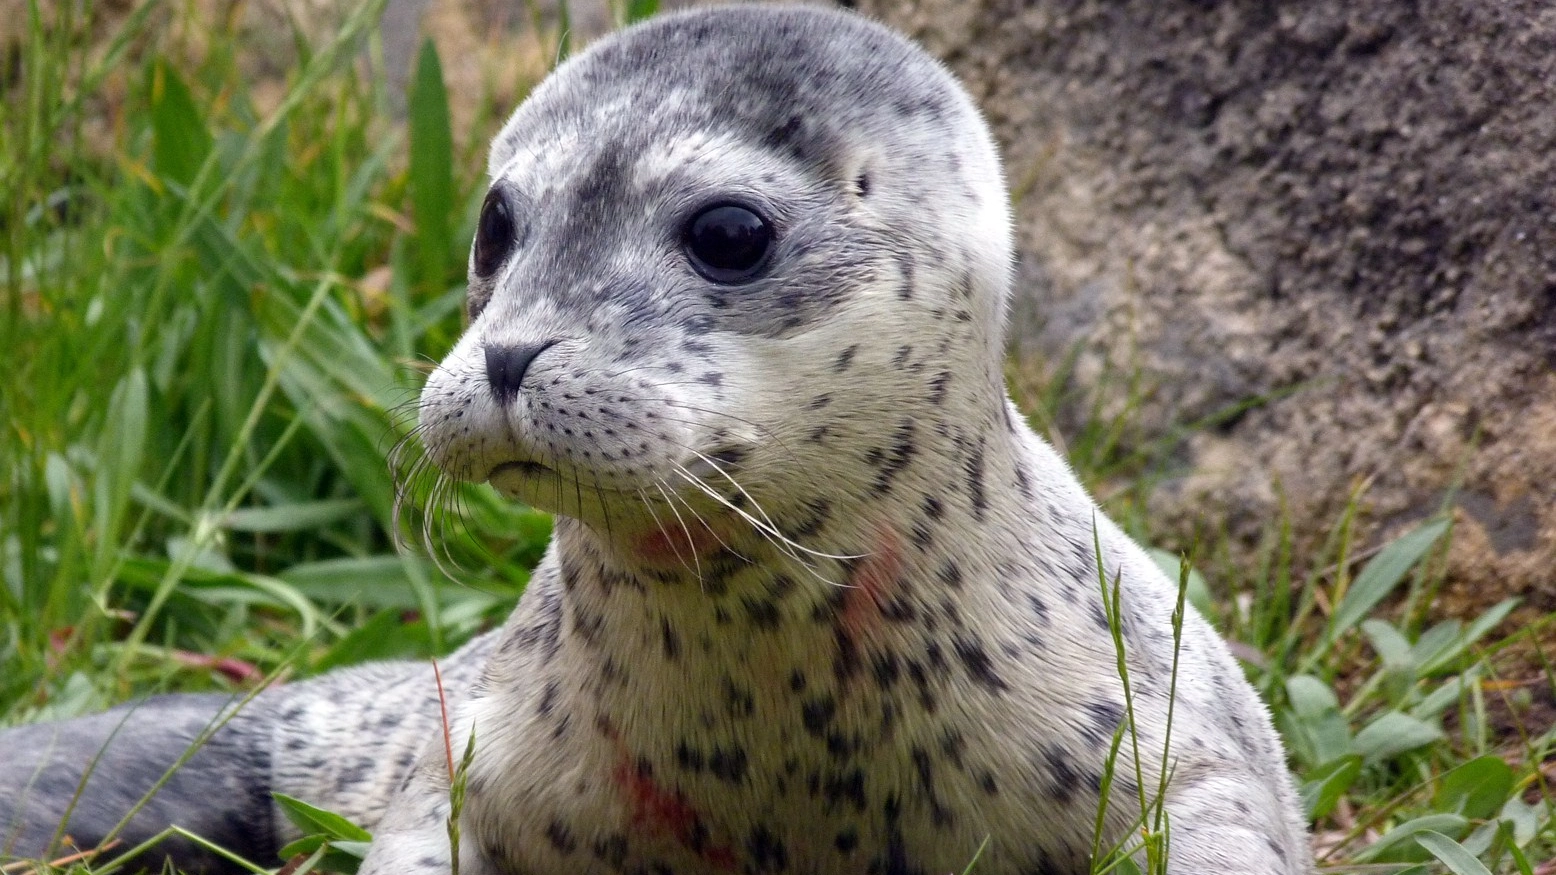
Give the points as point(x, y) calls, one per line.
point(531, 483)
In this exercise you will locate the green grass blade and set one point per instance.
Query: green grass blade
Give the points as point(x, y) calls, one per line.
point(431, 169)
point(1382, 575)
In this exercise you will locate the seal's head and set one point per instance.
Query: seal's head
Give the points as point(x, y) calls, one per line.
point(739, 266)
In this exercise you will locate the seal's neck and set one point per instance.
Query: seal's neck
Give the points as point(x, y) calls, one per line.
point(834, 573)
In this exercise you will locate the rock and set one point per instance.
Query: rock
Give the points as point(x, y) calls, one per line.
point(1346, 211)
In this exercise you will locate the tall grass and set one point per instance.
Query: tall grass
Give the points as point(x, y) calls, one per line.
point(214, 320)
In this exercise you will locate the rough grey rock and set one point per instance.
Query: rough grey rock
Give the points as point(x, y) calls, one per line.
point(1349, 210)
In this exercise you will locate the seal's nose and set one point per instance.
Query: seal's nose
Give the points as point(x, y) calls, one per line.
point(505, 367)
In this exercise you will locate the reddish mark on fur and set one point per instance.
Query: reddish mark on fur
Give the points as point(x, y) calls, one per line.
point(873, 583)
point(660, 810)
point(672, 543)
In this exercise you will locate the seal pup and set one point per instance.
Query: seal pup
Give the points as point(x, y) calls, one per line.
point(817, 599)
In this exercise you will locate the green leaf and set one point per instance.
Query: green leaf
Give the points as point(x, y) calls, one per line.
point(1309, 696)
point(330, 856)
point(1447, 655)
point(1453, 690)
point(1525, 819)
point(431, 168)
point(637, 10)
point(119, 459)
point(1383, 574)
point(1398, 845)
point(180, 140)
point(312, 820)
point(1393, 734)
point(1391, 646)
point(1318, 730)
point(1477, 789)
point(372, 581)
point(1172, 565)
point(1327, 783)
point(384, 636)
point(294, 517)
point(1451, 853)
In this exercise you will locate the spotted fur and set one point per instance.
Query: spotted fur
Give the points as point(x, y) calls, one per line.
point(818, 601)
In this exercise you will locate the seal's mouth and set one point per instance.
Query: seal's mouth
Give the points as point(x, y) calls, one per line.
point(523, 468)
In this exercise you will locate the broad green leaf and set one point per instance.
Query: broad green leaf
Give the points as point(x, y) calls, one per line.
point(326, 854)
point(1327, 783)
point(1393, 734)
point(371, 581)
point(384, 636)
point(1391, 646)
point(1398, 844)
point(1526, 819)
point(1452, 690)
point(1476, 789)
point(311, 820)
point(1383, 574)
point(1451, 853)
point(1318, 730)
point(180, 140)
point(1310, 697)
point(1435, 642)
point(1448, 655)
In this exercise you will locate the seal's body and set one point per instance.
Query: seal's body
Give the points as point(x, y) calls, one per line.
point(818, 601)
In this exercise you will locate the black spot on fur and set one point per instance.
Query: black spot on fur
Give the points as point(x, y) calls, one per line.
point(840, 787)
point(689, 758)
point(1062, 777)
point(766, 851)
point(762, 613)
point(561, 837)
point(728, 764)
point(897, 458)
point(885, 669)
point(1105, 719)
point(937, 387)
point(738, 700)
point(669, 640)
point(612, 850)
point(845, 359)
point(846, 841)
point(974, 465)
point(817, 714)
point(976, 660)
point(950, 574)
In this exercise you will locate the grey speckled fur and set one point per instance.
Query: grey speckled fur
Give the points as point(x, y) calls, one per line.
point(818, 600)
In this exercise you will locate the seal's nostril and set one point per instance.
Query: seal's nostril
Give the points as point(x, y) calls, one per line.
point(505, 367)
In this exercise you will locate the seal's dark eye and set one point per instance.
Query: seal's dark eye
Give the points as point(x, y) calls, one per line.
point(727, 243)
point(494, 236)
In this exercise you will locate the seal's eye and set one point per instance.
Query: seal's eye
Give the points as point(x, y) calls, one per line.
point(728, 243)
point(494, 236)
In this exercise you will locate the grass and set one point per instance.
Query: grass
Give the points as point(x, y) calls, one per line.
point(216, 311)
